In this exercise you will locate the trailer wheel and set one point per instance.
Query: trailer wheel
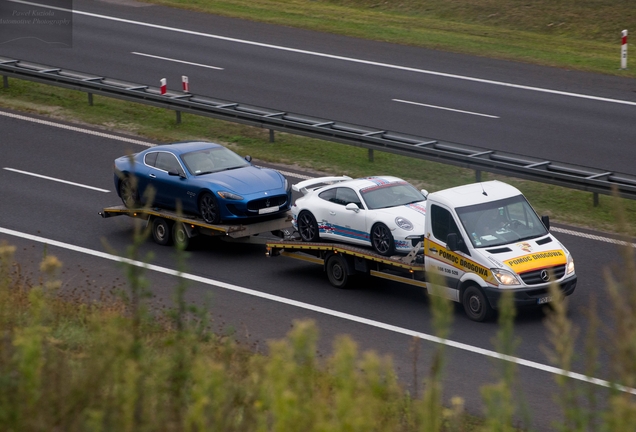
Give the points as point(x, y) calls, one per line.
point(308, 227)
point(337, 271)
point(382, 240)
point(161, 231)
point(180, 236)
point(209, 208)
point(128, 193)
point(476, 304)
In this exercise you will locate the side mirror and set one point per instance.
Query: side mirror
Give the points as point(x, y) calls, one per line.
point(451, 242)
point(176, 173)
point(546, 221)
point(248, 158)
point(425, 193)
point(353, 207)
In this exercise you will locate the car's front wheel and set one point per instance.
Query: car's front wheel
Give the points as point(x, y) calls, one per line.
point(308, 227)
point(128, 192)
point(476, 304)
point(382, 240)
point(209, 208)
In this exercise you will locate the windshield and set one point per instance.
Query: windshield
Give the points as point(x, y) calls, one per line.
point(501, 222)
point(391, 195)
point(212, 160)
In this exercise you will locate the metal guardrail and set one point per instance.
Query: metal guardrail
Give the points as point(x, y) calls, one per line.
point(479, 159)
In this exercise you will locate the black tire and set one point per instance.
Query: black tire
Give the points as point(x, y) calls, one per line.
point(161, 231)
point(128, 193)
point(476, 304)
point(209, 208)
point(180, 236)
point(337, 271)
point(308, 227)
point(382, 240)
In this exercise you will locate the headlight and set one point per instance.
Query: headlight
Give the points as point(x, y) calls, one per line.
point(287, 187)
point(504, 277)
point(229, 195)
point(570, 267)
point(403, 223)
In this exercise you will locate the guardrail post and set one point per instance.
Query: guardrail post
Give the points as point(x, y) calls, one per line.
point(90, 99)
point(477, 176)
point(5, 81)
point(271, 135)
point(178, 116)
point(595, 198)
point(371, 156)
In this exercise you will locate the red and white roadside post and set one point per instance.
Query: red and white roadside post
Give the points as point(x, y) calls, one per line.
point(185, 83)
point(164, 86)
point(624, 50)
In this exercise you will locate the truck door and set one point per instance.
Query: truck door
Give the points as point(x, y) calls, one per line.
point(443, 265)
point(344, 225)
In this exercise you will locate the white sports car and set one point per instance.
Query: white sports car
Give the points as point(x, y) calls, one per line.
point(386, 213)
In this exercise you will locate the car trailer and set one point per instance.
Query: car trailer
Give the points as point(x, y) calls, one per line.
point(341, 261)
point(169, 226)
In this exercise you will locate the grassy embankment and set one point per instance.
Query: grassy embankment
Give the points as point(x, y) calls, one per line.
point(582, 38)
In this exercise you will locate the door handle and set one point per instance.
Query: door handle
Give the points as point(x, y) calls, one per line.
point(153, 176)
point(433, 249)
point(332, 213)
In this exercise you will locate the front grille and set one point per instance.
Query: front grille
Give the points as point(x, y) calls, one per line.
point(534, 277)
point(277, 200)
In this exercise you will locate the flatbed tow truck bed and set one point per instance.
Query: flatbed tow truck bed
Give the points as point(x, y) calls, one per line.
point(168, 226)
point(341, 261)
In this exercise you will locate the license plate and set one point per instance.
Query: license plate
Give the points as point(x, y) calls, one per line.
point(268, 210)
point(544, 300)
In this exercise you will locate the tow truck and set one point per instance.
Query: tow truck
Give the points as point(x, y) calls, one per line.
point(168, 226)
point(479, 240)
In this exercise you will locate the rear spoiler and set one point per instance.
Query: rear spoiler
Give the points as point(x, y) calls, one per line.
point(303, 185)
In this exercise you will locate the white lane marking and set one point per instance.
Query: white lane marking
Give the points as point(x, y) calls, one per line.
point(322, 310)
point(445, 108)
point(176, 61)
point(56, 179)
point(335, 57)
point(593, 237)
point(76, 129)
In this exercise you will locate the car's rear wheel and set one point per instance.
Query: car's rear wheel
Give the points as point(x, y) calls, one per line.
point(337, 271)
point(209, 208)
point(128, 192)
point(308, 227)
point(180, 236)
point(382, 240)
point(161, 231)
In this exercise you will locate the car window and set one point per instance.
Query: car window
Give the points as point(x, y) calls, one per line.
point(341, 196)
point(150, 159)
point(444, 224)
point(391, 195)
point(213, 159)
point(167, 162)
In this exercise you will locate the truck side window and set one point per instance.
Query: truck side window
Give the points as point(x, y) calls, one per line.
point(444, 224)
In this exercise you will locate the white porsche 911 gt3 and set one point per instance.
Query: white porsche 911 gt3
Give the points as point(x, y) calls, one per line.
point(386, 213)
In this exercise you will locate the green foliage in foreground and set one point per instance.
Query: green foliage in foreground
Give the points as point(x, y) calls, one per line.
point(75, 365)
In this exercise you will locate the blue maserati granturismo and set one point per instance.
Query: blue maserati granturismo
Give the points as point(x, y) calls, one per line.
point(206, 179)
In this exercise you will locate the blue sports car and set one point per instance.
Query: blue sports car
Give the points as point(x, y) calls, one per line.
point(208, 180)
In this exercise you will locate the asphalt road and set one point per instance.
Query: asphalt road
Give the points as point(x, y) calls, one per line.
point(555, 114)
point(257, 297)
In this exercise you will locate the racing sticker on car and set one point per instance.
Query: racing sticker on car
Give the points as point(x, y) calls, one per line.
point(379, 183)
point(418, 208)
point(537, 260)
